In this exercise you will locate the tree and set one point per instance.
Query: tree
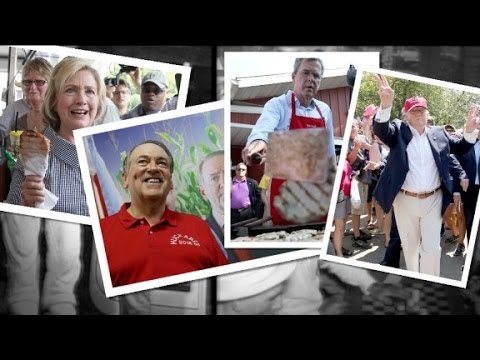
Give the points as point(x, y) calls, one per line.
point(446, 105)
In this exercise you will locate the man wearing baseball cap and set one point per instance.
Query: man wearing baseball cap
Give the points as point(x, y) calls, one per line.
point(416, 177)
point(367, 121)
point(369, 111)
point(153, 96)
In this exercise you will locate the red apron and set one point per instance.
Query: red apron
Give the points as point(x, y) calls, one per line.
point(296, 122)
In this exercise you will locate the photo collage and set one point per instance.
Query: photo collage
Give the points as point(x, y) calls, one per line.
point(352, 172)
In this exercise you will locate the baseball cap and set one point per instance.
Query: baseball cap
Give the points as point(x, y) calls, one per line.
point(110, 81)
point(449, 127)
point(157, 77)
point(414, 102)
point(247, 283)
point(369, 110)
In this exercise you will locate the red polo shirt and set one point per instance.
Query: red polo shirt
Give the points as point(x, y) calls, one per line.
point(138, 252)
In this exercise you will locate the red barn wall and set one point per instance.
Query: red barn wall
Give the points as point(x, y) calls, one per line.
point(338, 99)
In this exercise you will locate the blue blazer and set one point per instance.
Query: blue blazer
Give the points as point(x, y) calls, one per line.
point(469, 165)
point(457, 172)
point(397, 135)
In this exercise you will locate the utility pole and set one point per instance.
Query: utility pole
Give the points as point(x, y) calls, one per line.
point(12, 71)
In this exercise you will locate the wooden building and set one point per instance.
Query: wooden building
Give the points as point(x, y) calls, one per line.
point(248, 95)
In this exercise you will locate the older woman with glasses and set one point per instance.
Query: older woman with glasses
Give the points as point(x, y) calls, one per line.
point(25, 114)
point(75, 99)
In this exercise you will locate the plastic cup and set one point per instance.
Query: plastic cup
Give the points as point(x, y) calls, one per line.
point(15, 140)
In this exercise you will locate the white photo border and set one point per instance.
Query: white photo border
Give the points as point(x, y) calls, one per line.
point(355, 58)
point(151, 284)
point(103, 58)
point(462, 283)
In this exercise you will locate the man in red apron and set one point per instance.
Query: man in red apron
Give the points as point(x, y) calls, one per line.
point(295, 110)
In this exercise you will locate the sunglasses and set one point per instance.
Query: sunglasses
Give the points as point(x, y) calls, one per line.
point(155, 89)
point(38, 83)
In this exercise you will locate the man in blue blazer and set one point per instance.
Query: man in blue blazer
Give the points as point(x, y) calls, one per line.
point(416, 178)
point(470, 164)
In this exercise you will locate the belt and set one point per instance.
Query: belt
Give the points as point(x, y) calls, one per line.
point(242, 209)
point(419, 195)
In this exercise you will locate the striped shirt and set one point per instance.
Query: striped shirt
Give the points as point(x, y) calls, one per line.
point(63, 177)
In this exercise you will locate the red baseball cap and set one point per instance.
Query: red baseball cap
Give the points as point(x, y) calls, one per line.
point(369, 110)
point(414, 102)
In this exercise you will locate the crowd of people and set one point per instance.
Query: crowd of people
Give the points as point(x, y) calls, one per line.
point(417, 175)
point(56, 101)
point(385, 170)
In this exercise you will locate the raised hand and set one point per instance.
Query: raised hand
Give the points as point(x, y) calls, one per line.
point(371, 165)
point(472, 119)
point(385, 92)
point(358, 142)
point(136, 78)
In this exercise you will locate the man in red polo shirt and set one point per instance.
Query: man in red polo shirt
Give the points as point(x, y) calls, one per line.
point(145, 240)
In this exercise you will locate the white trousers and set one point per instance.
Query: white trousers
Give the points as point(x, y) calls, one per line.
point(419, 223)
point(21, 235)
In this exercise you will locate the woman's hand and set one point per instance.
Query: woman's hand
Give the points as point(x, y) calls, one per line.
point(33, 190)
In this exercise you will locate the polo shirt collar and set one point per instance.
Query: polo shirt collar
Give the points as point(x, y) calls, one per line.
point(235, 180)
point(128, 220)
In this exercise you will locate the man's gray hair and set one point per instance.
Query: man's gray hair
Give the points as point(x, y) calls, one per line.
point(298, 62)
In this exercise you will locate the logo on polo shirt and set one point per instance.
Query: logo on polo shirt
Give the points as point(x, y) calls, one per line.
point(179, 239)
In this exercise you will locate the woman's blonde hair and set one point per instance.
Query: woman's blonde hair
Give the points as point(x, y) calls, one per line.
point(62, 72)
point(38, 65)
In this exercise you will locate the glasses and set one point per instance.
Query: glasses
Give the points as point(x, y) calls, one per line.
point(148, 89)
point(38, 83)
point(121, 92)
point(241, 169)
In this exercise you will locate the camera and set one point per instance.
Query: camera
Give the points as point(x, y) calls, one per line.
point(351, 75)
point(127, 68)
point(110, 81)
point(113, 81)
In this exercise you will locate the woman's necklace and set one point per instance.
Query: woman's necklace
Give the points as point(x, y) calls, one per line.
point(35, 121)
